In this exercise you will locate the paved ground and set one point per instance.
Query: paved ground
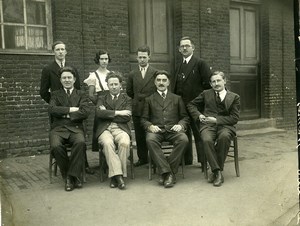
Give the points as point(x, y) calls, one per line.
point(265, 194)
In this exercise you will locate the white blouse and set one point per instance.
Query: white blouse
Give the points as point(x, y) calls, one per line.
point(92, 80)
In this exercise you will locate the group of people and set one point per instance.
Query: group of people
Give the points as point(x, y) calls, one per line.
point(163, 107)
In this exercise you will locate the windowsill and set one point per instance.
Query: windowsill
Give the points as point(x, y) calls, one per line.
point(26, 52)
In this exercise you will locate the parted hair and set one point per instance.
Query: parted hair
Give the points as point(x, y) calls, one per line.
point(114, 74)
point(99, 53)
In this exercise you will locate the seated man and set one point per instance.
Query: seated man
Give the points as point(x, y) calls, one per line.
point(219, 112)
point(165, 119)
point(114, 111)
point(68, 108)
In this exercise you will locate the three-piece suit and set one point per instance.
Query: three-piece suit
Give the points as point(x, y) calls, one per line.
point(216, 138)
point(67, 127)
point(138, 88)
point(189, 81)
point(113, 132)
point(165, 113)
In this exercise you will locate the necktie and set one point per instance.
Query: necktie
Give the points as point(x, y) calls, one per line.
point(218, 98)
point(163, 95)
point(183, 69)
point(115, 98)
point(143, 72)
point(61, 64)
point(68, 93)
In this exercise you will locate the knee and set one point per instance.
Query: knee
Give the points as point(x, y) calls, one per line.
point(207, 140)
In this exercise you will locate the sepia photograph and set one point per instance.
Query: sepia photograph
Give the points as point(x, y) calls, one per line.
point(149, 112)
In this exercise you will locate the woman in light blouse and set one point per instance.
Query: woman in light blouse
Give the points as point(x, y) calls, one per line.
point(96, 80)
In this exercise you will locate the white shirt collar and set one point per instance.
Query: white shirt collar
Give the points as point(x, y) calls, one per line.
point(187, 59)
point(59, 62)
point(112, 96)
point(223, 94)
point(166, 91)
point(144, 67)
point(71, 90)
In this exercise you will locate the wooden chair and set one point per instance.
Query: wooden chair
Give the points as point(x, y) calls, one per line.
point(233, 153)
point(167, 149)
point(53, 164)
point(103, 165)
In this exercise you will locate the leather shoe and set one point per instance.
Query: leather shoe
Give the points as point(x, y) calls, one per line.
point(113, 183)
point(219, 179)
point(169, 181)
point(77, 182)
point(211, 178)
point(121, 182)
point(69, 184)
point(140, 163)
point(88, 170)
point(161, 179)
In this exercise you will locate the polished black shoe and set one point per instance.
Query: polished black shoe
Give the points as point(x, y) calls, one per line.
point(140, 163)
point(69, 186)
point(77, 182)
point(88, 170)
point(120, 181)
point(169, 181)
point(161, 179)
point(211, 178)
point(219, 179)
point(113, 183)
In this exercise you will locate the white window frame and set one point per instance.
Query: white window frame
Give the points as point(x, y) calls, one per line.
point(48, 27)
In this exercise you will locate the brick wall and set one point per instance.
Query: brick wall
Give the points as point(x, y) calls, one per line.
point(87, 26)
point(278, 75)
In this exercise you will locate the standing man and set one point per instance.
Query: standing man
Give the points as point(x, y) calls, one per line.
point(165, 119)
point(191, 78)
point(50, 80)
point(140, 84)
point(218, 114)
point(68, 108)
point(113, 132)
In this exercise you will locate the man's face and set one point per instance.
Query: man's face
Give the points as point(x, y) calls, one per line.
point(60, 52)
point(103, 60)
point(186, 48)
point(217, 82)
point(67, 79)
point(143, 58)
point(162, 82)
point(114, 86)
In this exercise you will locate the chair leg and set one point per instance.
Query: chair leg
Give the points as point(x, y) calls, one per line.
point(236, 157)
point(101, 166)
point(131, 163)
point(182, 166)
point(50, 168)
point(150, 166)
point(83, 172)
point(205, 168)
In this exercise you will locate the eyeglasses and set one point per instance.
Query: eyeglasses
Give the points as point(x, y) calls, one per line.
point(185, 46)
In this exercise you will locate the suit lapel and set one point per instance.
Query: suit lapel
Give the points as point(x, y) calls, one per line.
point(74, 98)
point(189, 68)
point(168, 100)
point(228, 99)
point(159, 99)
point(109, 102)
point(120, 101)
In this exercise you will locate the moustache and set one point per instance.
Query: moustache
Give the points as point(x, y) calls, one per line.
point(161, 86)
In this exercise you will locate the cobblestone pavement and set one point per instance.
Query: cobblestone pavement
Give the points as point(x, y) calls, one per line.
point(265, 194)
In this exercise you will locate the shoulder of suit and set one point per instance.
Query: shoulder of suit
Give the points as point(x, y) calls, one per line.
point(232, 93)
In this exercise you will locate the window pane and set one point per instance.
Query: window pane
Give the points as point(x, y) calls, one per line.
point(13, 11)
point(37, 38)
point(36, 12)
point(14, 37)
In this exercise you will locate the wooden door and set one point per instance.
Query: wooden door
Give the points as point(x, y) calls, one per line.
point(245, 58)
point(150, 23)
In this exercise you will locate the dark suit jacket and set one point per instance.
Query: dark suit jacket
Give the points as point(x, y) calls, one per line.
point(51, 80)
point(107, 116)
point(59, 108)
point(207, 102)
point(196, 79)
point(138, 88)
point(164, 113)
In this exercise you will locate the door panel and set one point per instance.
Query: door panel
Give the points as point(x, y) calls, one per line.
point(150, 23)
point(244, 58)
